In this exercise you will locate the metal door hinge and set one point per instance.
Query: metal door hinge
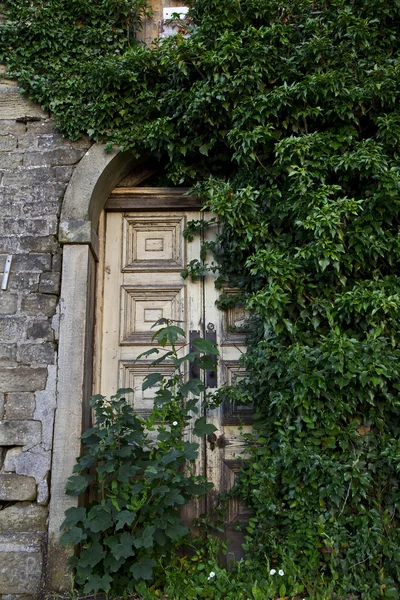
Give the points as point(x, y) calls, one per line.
point(6, 273)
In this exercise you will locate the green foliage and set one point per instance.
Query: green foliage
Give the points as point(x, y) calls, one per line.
point(286, 115)
point(140, 473)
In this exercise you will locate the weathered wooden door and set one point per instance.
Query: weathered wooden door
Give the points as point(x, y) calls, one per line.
point(145, 253)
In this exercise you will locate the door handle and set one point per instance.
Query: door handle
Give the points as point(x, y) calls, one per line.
point(194, 371)
point(211, 376)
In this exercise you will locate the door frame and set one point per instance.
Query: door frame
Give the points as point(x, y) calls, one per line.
point(93, 180)
point(90, 187)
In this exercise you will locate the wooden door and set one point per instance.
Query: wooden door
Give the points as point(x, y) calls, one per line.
point(145, 253)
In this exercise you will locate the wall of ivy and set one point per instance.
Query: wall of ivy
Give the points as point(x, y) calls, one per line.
point(286, 117)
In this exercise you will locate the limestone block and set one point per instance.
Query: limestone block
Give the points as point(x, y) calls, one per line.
point(2, 403)
point(9, 244)
point(20, 406)
point(41, 127)
point(8, 353)
point(8, 142)
point(29, 176)
point(60, 156)
point(23, 517)
point(8, 303)
point(37, 244)
point(28, 282)
point(49, 283)
point(36, 353)
point(57, 263)
point(10, 209)
point(51, 140)
point(20, 564)
point(10, 160)
point(10, 328)
point(40, 330)
point(31, 262)
point(34, 463)
point(41, 209)
point(14, 106)
point(22, 379)
point(20, 433)
point(63, 174)
point(12, 126)
point(39, 305)
point(43, 493)
point(17, 487)
point(9, 461)
point(25, 226)
point(45, 407)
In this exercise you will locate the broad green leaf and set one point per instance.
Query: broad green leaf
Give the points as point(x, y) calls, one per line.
point(202, 428)
point(151, 380)
point(125, 517)
point(92, 555)
point(143, 568)
point(191, 450)
point(77, 484)
point(172, 456)
point(75, 535)
point(206, 346)
point(96, 583)
point(193, 386)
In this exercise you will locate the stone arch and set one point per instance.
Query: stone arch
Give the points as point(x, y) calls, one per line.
point(93, 180)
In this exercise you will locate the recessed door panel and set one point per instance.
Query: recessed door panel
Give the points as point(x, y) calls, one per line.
point(145, 253)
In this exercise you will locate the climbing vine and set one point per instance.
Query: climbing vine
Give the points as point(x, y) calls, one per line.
point(284, 116)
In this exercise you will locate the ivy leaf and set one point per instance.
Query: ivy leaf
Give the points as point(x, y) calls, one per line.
point(92, 555)
point(74, 536)
point(193, 386)
point(176, 531)
point(171, 457)
point(127, 471)
point(151, 380)
point(121, 545)
point(191, 450)
point(77, 484)
point(96, 583)
point(74, 515)
point(125, 517)
point(162, 396)
point(174, 497)
point(143, 568)
point(146, 540)
point(206, 363)
point(206, 346)
point(201, 428)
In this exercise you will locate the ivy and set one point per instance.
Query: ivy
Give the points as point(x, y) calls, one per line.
point(284, 118)
point(141, 472)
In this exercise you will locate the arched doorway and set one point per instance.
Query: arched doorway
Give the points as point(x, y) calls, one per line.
point(140, 255)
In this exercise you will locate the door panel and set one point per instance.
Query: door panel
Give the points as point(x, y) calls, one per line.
point(144, 255)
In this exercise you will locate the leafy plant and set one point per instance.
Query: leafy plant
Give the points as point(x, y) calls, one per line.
point(284, 116)
point(140, 473)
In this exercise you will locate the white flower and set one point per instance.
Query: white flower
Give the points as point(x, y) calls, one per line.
point(175, 423)
point(272, 572)
point(281, 572)
point(211, 575)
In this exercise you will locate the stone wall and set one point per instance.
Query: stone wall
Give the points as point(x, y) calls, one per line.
point(36, 164)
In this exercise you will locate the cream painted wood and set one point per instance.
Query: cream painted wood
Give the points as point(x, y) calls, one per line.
point(225, 452)
point(144, 255)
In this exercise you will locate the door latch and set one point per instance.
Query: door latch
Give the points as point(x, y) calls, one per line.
point(194, 372)
point(211, 376)
point(219, 442)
